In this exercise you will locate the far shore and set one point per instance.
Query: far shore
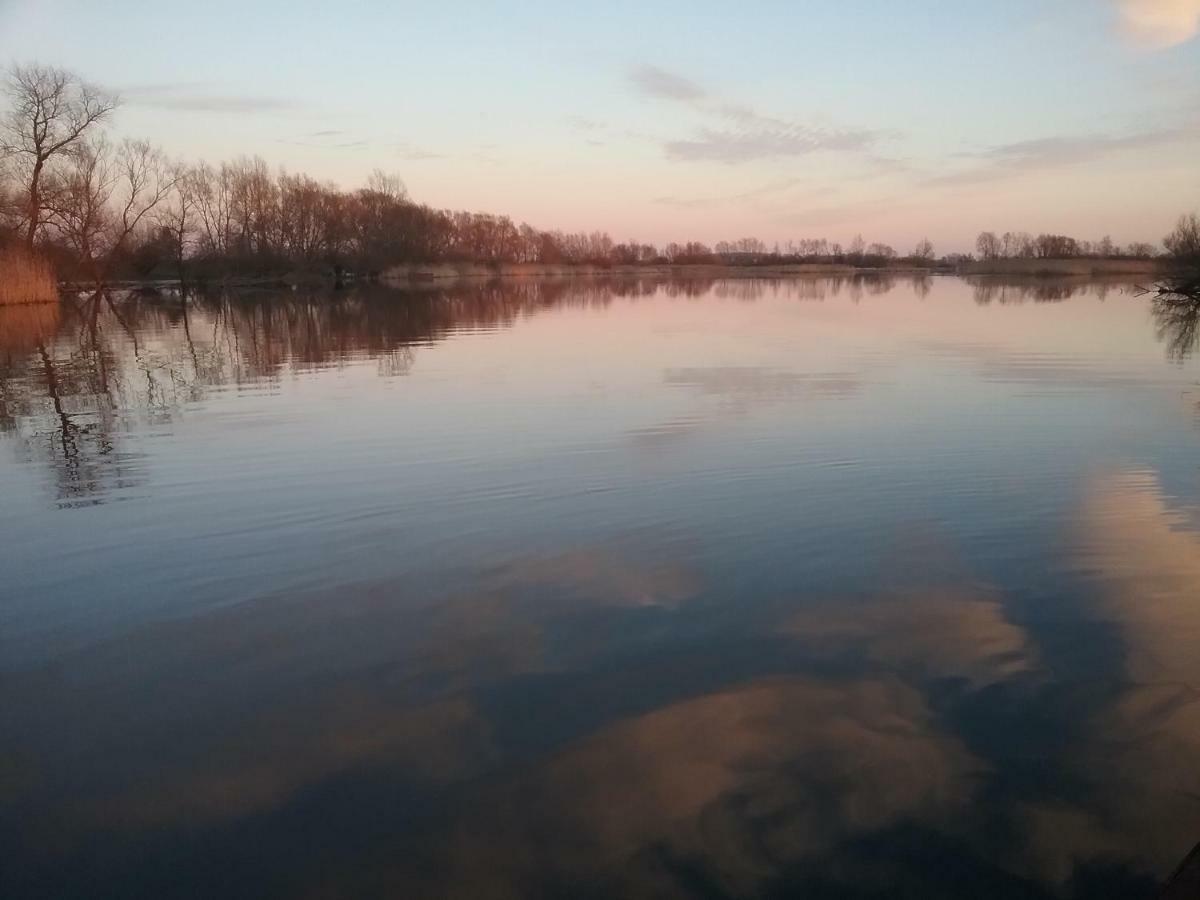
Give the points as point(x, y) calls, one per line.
point(416, 272)
point(413, 274)
point(409, 272)
point(1050, 268)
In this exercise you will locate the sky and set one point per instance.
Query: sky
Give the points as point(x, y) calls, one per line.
point(659, 121)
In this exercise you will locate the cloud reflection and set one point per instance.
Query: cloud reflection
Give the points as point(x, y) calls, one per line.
point(948, 633)
point(733, 786)
point(1143, 555)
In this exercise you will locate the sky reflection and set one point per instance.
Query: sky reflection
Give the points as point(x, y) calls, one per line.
point(792, 590)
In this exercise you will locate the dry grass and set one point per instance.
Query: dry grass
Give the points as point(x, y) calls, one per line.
point(25, 278)
point(1056, 267)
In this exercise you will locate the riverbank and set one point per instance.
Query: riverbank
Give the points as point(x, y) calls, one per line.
point(1048, 268)
point(425, 274)
point(408, 272)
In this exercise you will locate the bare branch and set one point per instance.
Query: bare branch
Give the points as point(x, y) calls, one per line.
point(51, 113)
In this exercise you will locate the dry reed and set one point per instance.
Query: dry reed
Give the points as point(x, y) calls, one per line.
point(25, 278)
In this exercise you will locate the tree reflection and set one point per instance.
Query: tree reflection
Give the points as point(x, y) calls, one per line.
point(58, 384)
point(1176, 307)
point(1005, 291)
point(76, 377)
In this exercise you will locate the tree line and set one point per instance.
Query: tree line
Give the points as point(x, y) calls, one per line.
point(1023, 245)
point(100, 209)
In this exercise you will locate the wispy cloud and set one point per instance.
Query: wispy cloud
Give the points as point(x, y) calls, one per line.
point(771, 191)
point(193, 97)
point(847, 213)
point(412, 153)
point(327, 145)
point(740, 145)
point(582, 123)
point(1160, 23)
point(745, 115)
point(744, 134)
point(656, 82)
point(1021, 157)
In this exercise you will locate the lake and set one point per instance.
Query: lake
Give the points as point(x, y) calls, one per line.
point(857, 587)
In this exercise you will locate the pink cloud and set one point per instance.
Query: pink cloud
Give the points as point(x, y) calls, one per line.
point(1160, 23)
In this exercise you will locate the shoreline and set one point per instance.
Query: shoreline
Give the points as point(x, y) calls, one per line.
point(409, 272)
point(416, 274)
point(1057, 268)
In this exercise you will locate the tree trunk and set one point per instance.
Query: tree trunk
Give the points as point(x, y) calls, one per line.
point(35, 203)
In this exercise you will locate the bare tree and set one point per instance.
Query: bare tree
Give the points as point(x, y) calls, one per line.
point(180, 216)
point(1183, 243)
point(106, 196)
point(988, 245)
point(387, 185)
point(923, 252)
point(52, 113)
point(214, 199)
point(1056, 246)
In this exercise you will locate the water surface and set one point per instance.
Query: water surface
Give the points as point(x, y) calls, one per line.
point(846, 588)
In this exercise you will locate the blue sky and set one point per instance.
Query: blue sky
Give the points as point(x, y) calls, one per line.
point(672, 120)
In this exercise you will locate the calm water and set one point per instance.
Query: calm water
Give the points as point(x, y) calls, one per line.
point(806, 588)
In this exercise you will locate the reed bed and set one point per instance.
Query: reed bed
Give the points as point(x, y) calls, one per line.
point(25, 278)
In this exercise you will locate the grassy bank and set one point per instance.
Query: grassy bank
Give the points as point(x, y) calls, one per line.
point(1061, 267)
point(25, 278)
point(439, 271)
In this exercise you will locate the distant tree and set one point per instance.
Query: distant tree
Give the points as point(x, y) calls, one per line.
point(1010, 245)
point(105, 197)
point(1140, 250)
point(923, 252)
point(988, 246)
point(214, 204)
point(1056, 246)
point(387, 185)
point(625, 254)
point(52, 113)
point(180, 218)
point(1183, 243)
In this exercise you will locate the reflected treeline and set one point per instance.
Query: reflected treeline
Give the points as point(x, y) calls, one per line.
point(989, 289)
point(61, 383)
point(76, 376)
point(1176, 308)
point(1176, 317)
point(855, 286)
